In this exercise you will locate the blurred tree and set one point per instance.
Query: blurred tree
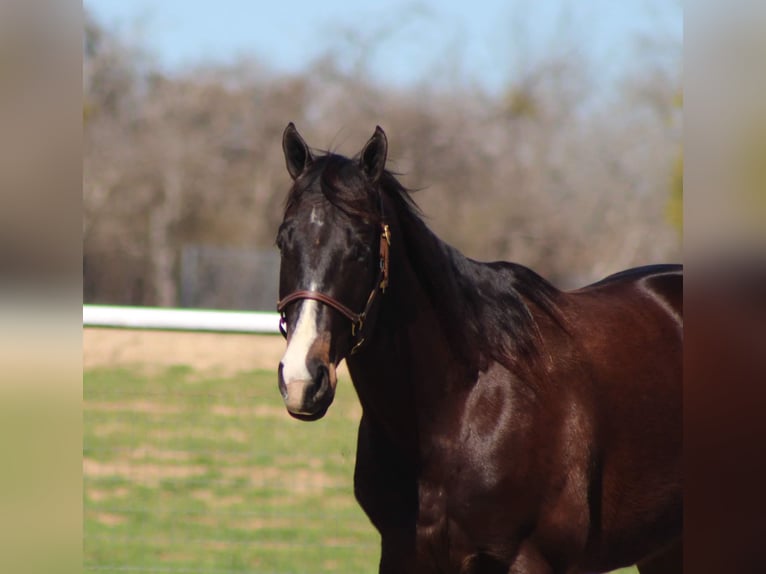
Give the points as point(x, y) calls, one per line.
point(549, 173)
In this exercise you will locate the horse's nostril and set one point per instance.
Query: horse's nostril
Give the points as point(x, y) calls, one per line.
point(321, 381)
point(315, 367)
point(281, 382)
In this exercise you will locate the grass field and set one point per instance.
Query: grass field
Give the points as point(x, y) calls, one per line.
point(186, 473)
point(189, 474)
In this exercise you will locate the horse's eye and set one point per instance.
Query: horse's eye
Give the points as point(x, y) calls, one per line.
point(360, 252)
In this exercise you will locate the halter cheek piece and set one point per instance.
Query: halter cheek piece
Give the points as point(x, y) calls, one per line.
point(357, 319)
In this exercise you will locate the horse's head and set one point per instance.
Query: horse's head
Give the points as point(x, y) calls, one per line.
point(334, 260)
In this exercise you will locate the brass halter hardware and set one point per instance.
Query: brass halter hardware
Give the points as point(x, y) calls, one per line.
point(357, 319)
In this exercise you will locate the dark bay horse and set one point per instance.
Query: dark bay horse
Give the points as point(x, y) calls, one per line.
point(507, 426)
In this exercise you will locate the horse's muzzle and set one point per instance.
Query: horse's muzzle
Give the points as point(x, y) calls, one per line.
point(309, 400)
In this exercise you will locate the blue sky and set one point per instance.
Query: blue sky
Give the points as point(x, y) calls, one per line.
point(480, 41)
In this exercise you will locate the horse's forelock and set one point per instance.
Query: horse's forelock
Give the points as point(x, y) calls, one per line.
point(341, 182)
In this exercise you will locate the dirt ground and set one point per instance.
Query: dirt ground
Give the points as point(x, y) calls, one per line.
point(222, 353)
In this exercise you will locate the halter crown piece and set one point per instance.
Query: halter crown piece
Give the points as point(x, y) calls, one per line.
point(357, 319)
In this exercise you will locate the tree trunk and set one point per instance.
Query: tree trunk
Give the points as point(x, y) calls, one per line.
point(163, 250)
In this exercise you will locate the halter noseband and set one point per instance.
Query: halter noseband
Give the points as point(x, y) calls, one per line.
point(357, 319)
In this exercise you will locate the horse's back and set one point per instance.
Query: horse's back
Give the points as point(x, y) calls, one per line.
point(657, 288)
point(667, 275)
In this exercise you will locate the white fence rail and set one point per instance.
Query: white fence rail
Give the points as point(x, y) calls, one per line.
point(180, 319)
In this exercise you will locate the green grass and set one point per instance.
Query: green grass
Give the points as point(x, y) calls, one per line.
point(190, 474)
point(210, 475)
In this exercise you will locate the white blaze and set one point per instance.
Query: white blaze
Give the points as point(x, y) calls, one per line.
point(305, 333)
point(316, 218)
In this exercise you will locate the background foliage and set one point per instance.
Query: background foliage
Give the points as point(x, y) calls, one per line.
point(550, 172)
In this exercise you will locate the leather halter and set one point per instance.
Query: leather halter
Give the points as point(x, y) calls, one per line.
point(357, 319)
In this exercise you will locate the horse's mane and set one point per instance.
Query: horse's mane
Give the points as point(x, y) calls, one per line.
point(484, 307)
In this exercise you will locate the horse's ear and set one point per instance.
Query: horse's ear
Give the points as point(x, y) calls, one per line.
point(297, 153)
point(372, 160)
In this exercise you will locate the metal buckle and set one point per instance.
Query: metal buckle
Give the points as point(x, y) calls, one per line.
point(357, 346)
point(356, 327)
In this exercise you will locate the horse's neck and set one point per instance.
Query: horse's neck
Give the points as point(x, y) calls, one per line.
point(409, 366)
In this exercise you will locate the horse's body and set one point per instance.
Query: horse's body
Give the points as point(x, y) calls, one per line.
point(507, 426)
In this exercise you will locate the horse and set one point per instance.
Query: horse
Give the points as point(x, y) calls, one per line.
point(507, 425)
